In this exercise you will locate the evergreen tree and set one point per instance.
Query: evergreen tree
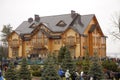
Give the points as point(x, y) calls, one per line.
point(61, 54)
point(67, 61)
point(7, 29)
point(95, 69)
point(49, 71)
point(11, 73)
point(86, 63)
point(110, 65)
point(24, 72)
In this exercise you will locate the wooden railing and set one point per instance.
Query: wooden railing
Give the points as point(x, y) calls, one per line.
point(70, 44)
point(38, 45)
point(14, 44)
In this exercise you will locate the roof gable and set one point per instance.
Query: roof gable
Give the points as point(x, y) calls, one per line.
point(13, 32)
point(96, 26)
point(81, 26)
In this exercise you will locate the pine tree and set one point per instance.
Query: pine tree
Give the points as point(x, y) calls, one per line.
point(24, 72)
point(11, 73)
point(96, 70)
point(86, 63)
point(7, 29)
point(67, 61)
point(49, 71)
point(61, 54)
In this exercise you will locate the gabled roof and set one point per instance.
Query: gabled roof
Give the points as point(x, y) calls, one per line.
point(85, 20)
point(23, 28)
point(51, 21)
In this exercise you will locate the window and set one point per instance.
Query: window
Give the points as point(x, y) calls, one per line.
point(103, 40)
point(71, 39)
point(39, 34)
point(61, 23)
point(27, 43)
point(45, 40)
point(15, 42)
point(39, 37)
point(94, 40)
point(57, 41)
point(33, 40)
point(97, 40)
point(77, 38)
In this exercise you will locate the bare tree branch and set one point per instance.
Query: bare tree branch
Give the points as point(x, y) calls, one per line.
point(116, 35)
point(116, 23)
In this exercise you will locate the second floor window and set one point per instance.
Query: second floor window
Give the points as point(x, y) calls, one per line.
point(15, 41)
point(39, 35)
point(103, 40)
point(57, 41)
point(45, 41)
point(71, 39)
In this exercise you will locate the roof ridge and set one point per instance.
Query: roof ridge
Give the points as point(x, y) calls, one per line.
point(54, 15)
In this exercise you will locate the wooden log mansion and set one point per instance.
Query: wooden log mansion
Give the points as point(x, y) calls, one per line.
point(43, 35)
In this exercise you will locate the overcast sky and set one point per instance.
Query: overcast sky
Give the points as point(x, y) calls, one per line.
point(14, 12)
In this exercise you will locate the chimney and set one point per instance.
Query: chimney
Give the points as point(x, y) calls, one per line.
point(73, 14)
point(37, 18)
point(79, 20)
point(30, 20)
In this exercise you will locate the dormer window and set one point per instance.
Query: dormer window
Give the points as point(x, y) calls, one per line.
point(61, 23)
point(33, 25)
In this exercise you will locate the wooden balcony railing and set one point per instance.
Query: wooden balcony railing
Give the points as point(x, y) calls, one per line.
point(70, 44)
point(14, 44)
point(38, 45)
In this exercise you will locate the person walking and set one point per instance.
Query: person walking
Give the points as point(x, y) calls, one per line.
point(73, 75)
point(81, 75)
point(77, 75)
point(91, 78)
point(61, 73)
point(1, 77)
point(67, 75)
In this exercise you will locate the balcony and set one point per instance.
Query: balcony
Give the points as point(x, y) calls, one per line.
point(38, 45)
point(70, 44)
point(14, 44)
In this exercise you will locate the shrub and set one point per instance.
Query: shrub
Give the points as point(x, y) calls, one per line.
point(110, 65)
point(36, 73)
point(35, 67)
